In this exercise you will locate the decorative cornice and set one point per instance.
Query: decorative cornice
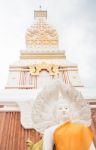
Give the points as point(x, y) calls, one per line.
point(61, 67)
point(43, 55)
point(19, 87)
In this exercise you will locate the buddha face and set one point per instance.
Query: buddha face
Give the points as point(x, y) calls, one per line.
point(62, 112)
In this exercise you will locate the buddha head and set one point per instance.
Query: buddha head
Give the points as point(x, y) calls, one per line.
point(62, 111)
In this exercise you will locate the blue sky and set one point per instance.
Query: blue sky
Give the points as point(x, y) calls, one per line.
point(75, 21)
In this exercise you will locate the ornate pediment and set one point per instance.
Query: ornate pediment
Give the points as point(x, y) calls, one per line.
point(37, 68)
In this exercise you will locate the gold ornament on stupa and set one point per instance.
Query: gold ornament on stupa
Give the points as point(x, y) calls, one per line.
point(37, 68)
point(41, 33)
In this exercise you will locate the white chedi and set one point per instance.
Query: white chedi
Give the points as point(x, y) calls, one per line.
point(46, 107)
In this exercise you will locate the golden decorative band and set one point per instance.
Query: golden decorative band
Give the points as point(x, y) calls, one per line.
point(42, 56)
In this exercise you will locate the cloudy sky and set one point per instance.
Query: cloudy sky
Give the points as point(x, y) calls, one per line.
point(75, 21)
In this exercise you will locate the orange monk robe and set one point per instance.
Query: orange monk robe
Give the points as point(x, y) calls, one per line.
point(72, 136)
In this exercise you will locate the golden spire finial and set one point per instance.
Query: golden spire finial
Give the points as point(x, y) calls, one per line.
point(40, 13)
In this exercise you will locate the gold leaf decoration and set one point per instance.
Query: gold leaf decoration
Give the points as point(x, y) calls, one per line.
point(51, 68)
